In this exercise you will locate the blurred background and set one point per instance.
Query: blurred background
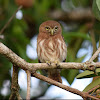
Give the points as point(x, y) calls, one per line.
point(81, 30)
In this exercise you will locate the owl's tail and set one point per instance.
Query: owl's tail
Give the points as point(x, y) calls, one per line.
point(55, 75)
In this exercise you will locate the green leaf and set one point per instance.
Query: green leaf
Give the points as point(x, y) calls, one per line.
point(93, 84)
point(96, 8)
point(98, 4)
point(98, 70)
point(85, 74)
point(88, 74)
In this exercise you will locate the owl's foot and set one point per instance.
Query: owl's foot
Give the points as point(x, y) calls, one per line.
point(48, 62)
point(57, 63)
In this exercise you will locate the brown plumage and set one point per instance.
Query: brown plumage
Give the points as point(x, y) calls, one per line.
point(51, 46)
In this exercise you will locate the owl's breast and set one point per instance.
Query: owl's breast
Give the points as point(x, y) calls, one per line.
point(51, 50)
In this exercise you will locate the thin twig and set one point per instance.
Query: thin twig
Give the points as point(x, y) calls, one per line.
point(11, 18)
point(12, 96)
point(28, 85)
point(94, 55)
point(72, 90)
point(93, 40)
point(18, 96)
point(94, 88)
point(14, 85)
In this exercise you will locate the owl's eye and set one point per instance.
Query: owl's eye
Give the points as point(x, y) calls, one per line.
point(47, 28)
point(56, 28)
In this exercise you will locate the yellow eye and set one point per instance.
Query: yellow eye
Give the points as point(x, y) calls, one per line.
point(56, 28)
point(47, 28)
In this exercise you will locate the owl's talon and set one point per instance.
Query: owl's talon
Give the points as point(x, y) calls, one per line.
point(57, 63)
point(48, 62)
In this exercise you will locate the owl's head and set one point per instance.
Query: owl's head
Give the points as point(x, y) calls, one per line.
point(50, 27)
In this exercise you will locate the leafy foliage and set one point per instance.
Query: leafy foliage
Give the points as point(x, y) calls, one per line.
point(92, 84)
point(95, 8)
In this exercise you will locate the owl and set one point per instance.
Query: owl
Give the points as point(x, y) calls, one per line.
point(51, 47)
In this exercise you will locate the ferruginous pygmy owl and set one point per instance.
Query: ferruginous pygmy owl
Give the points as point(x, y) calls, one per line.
point(51, 47)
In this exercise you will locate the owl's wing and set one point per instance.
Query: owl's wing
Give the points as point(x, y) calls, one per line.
point(64, 41)
point(39, 61)
point(63, 38)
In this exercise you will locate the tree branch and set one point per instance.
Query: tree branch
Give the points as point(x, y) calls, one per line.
point(94, 88)
point(16, 60)
point(28, 85)
point(72, 90)
point(14, 85)
point(95, 55)
point(19, 62)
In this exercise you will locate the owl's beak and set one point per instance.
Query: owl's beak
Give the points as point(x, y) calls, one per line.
point(52, 32)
